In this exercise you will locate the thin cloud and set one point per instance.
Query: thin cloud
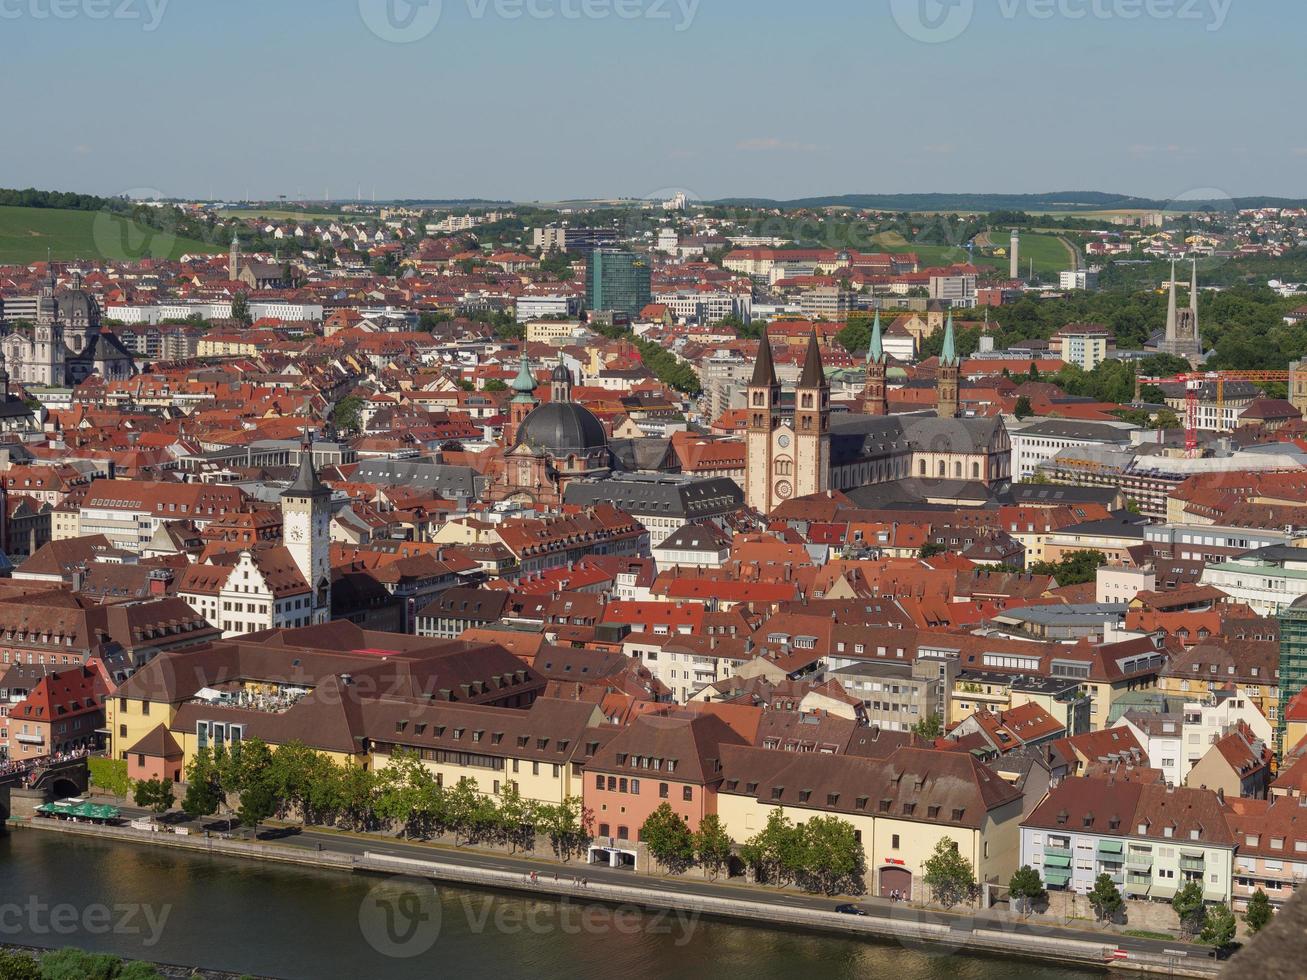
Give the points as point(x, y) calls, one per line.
point(774, 144)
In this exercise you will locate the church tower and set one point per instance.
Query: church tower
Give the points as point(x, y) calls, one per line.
point(305, 515)
point(1182, 337)
point(812, 424)
point(524, 401)
point(234, 258)
point(875, 398)
point(950, 368)
point(764, 418)
point(560, 384)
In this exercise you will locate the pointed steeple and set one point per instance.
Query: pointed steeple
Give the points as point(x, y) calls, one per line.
point(949, 353)
point(764, 369)
point(814, 375)
point(876, 351)
point(306, 482)
point(1171, 309)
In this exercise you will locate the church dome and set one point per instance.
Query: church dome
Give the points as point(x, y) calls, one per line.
point(79, 307)
point(560, 428)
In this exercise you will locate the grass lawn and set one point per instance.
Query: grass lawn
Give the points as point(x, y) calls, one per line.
point(1145, 934)
point(27, 233)
point(1050, 255)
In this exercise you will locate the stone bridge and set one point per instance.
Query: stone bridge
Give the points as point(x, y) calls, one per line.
point(54, 781)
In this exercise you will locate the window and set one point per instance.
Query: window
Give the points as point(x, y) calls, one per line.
point(894, 842)
point(687, 793)
point(662, 791)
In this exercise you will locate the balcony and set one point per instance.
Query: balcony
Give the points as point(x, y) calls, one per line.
point(1140, 861)
point(25, 739)
point(1192, 864)
point(1051, 851)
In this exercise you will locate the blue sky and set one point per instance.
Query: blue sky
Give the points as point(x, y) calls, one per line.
point(239, 98)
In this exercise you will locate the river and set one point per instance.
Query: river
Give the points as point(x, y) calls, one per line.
point(221, 913)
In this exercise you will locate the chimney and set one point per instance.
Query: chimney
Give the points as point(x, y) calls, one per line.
point(78, 577)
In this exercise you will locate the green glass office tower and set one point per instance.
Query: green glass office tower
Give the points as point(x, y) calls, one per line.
point(1293, 660)
point(617, 281)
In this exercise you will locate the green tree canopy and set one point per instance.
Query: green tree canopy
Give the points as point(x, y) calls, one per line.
point(949, 875)
point(668, 838)
point(1105, 898)
point(1259, 912)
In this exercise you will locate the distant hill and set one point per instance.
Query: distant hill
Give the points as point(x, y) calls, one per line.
point(1070, 201)
point(29, 234)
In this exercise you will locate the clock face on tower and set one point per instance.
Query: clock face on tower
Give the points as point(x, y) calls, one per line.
point(297, 534)
point(783, 489)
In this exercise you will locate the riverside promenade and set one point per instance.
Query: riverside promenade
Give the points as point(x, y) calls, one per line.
point(968, 932)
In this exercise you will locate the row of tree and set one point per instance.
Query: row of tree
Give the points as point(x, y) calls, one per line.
point(406, 798)
point(1211, 924)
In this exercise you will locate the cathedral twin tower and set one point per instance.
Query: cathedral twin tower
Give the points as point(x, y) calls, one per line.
point(789, 455)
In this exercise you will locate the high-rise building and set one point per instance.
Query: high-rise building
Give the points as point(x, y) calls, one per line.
point(1015, 254)
point(617, 281)
point(1293, 661)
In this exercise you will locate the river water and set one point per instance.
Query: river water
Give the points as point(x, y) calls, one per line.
point(173, 907)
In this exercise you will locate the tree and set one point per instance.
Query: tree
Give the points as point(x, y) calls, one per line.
point(1259, 912)
point(517, 818)
point(668, 838)
point(931, 727)
point(1026, 888)
point(1023, 409)
point(930, 550)
point(1105, 898)
point(345, 416)
point(1219, 928)
point(712, 844)
point(568, 825)
point(240, 310)
point(258, 803)
point(832, 855)
point(109, 775)
point(1189, 908)
point(494, 384)
point(154, 794)
point(949, 875)
point(775, 852)
point(203, 794)
point(1075, 568)
point(18, 966)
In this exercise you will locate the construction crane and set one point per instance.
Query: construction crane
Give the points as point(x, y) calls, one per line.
point(1193, 384)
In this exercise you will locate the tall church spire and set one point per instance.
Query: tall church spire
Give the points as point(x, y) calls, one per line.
point(874, 397)
point(814, 375)
point(948, 379)
point(876, 350)
point(764, 369)
point(1171, 308)
point(949, 353)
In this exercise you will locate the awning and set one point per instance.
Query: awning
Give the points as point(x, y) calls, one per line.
point(1137, 888)
point(1110, 847)
point(1163, 890)
point(1191, 852)
point(1056, 876)
point(1056, 861)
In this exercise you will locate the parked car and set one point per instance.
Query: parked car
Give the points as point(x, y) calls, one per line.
point(850, 909)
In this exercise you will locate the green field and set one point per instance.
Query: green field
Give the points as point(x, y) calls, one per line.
point(27, 234)
point(1048, 252)
point(274, 214)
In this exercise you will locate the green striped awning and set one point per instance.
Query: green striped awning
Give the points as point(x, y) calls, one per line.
point(1056, 876)
point(1110, 847)
point(1056, 861)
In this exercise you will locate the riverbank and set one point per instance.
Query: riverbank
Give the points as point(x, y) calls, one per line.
point(906, 926)
point(167, 970)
